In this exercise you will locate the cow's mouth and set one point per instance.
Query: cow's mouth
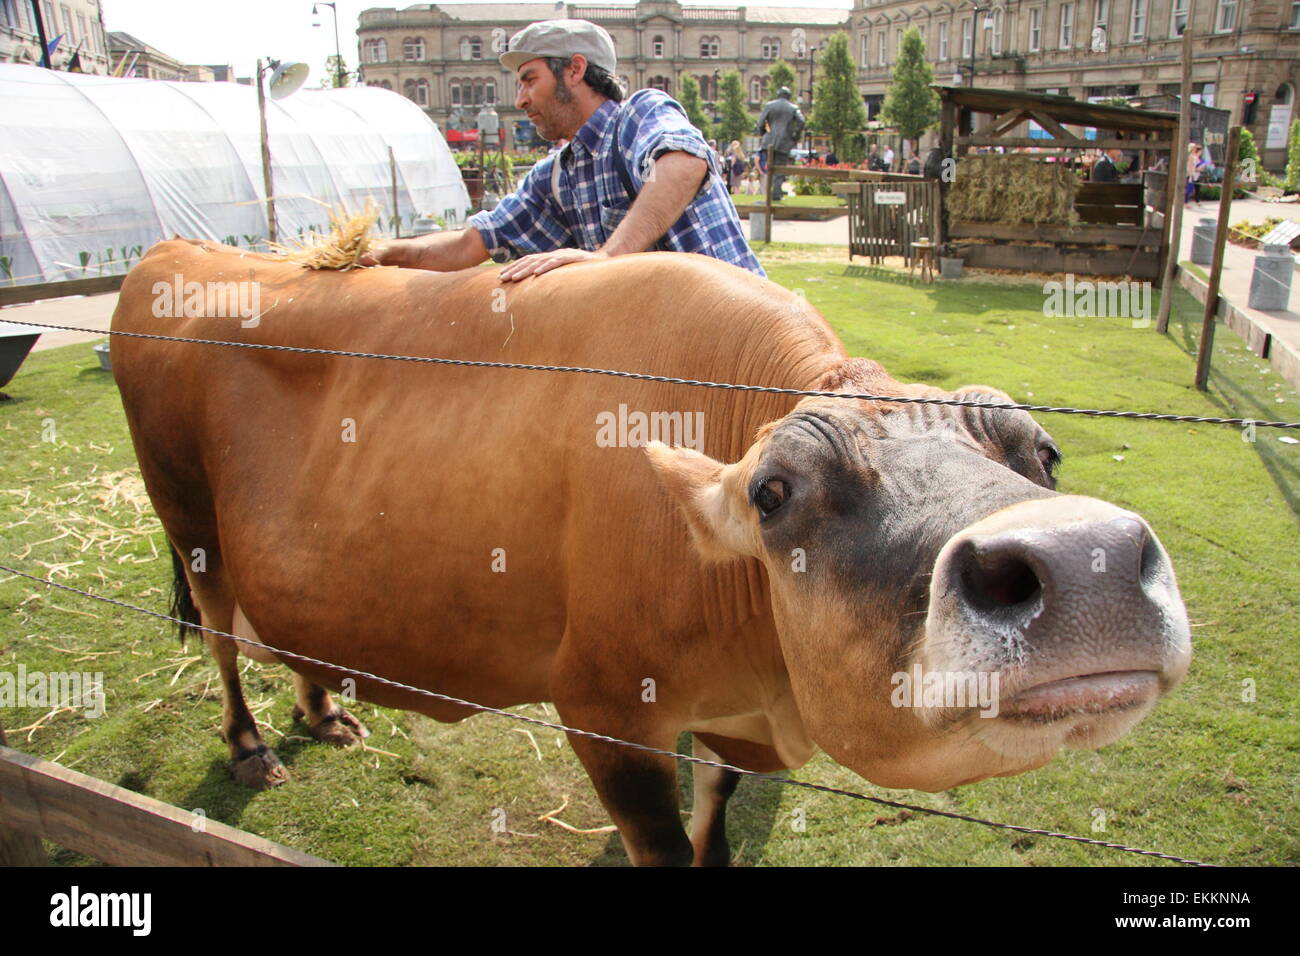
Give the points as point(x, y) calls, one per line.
point(1102, 693)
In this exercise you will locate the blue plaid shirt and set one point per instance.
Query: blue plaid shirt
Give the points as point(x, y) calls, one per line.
point(529, 219)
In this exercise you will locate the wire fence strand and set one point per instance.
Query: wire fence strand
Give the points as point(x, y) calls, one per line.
point(574, 731)
point(691, 382)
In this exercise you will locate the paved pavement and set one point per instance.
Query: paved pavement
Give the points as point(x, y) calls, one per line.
point(1239, 265)
point(89, 311)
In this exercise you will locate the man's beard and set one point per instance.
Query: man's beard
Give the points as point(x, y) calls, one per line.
point(562, 98)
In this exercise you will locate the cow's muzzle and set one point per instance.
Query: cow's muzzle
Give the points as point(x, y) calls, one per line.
point(1070, 601)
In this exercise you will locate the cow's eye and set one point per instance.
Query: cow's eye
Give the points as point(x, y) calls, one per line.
point(770, 494)
point(1050, 457)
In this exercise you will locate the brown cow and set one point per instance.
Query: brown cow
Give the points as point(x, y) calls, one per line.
point(898, 585)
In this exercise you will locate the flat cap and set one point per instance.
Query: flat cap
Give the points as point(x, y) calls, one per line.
point(561, 38)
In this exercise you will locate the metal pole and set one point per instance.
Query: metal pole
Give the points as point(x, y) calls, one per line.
point(40, 33)
point(1216, 270)
point(1177, 173)
point(339, 74)
point(771, 178)
point(397, 213)
point(271, 233)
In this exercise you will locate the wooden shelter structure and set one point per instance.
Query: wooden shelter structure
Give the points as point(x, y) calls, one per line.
point(1122, 227)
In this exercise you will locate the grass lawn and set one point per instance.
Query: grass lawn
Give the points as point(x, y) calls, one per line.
point(741, 199)
point(1210, 775)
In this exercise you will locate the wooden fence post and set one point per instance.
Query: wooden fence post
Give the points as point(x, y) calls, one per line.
point(1216, 270)
point(18, 848)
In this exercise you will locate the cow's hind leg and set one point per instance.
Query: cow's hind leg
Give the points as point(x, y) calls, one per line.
point(326, 720)
point(712, 788)
point(252, 763)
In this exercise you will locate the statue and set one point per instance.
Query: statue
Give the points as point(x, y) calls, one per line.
point(781, 124)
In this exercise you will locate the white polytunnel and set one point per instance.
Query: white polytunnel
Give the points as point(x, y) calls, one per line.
point(95, 169)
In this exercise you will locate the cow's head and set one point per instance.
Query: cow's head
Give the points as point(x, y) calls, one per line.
point(945, 615)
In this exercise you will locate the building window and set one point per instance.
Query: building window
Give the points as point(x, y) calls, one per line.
point(943, 42)
point(376, 50)
point(413, 48)
point(1226, 20)
point(1177, 17)
point(755, 89)
point(1067, 26)
point(471, 48)
point(1101, 15)
point(864, 55)
point(417, 91)
point(1138, 26)
point(67, 26)
point(996, 40)
point(771, 48)
point(881, 58)
point(1295, 15)
point(1035, 29)
point(455, 93)
point(658, 47)
point(967, 38)
point(660, 83)
point(82, 35)
point(710, 47)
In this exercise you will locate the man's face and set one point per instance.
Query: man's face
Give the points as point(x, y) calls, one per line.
point(547, 103)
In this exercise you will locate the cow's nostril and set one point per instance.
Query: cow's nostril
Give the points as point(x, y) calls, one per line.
point(993, 581)
point(1151, 561)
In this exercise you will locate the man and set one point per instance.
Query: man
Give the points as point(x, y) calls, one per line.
point(889, 159)
point(780, 124)
point(1104, 170)
point(661, 189)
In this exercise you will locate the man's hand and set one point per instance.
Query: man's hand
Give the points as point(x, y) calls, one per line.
point(381, 253)
point(540, 262)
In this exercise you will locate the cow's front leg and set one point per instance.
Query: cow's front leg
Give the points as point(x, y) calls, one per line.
point(326, 720)
point(712, 788)
point(638, 789)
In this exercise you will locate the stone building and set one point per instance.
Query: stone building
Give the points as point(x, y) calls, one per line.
point(79, 22)
point(445, 57)
point(1246, 53)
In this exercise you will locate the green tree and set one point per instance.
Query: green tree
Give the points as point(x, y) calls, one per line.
point(837, 106)
point(1293, 160)
point(737, 121)
point(690, 100)
point(334, 66)
point(911, 106)
point(781, 74)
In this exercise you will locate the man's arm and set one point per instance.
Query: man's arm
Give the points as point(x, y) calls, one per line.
point(440, 251)
point(676, 179)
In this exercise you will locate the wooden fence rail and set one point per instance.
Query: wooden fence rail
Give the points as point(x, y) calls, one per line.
point(42, 800)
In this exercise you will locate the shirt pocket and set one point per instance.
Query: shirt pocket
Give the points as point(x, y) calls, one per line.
point(610, 217)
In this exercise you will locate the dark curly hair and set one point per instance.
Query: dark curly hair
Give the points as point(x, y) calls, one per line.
point(598, 78)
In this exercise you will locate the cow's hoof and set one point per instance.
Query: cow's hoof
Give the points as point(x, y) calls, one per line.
point(260, 769)
point(339, 728)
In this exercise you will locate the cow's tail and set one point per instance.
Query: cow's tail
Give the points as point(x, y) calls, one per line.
point(183, 607)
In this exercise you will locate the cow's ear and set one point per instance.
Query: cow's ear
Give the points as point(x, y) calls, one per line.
point(704, 490)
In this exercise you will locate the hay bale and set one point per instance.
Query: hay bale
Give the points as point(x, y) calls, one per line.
point(1013, 190)
point(348, 240)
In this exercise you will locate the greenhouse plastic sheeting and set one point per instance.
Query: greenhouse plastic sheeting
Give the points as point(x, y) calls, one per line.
point(95, 169)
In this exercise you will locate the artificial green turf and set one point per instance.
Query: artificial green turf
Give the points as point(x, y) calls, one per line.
point(1208, 775)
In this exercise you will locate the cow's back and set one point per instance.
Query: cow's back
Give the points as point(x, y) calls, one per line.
point(447, 526)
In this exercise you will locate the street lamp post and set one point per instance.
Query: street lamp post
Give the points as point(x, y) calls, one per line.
point(988, 25)
point(340, 75)
point(812, 85)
